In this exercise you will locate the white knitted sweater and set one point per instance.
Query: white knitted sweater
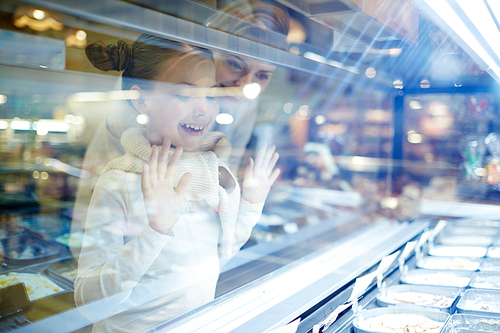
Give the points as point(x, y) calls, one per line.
point(204, 167)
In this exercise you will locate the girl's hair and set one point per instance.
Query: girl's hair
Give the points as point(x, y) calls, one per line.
point(261, 15)
point(145, 60)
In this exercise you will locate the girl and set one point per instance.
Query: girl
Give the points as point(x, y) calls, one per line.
point(164, 215)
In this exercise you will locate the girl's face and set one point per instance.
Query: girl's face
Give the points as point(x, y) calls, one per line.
point(180, 107)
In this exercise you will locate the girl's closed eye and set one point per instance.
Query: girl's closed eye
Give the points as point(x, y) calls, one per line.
point(183, 97)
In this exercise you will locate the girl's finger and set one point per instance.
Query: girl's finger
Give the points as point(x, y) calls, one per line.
point(268, 156)
point(145, 184)
point(162, 161)
point(260, 156)
point(272, 163)
point(274, 176)
point(172, 164)
point(249, 168)
point(183, 184)
point(153, 163)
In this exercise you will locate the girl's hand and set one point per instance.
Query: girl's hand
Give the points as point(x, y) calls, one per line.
point(163, 201)
point(260, 176)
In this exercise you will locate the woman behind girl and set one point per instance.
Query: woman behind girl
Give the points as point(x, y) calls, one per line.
point(169, 211)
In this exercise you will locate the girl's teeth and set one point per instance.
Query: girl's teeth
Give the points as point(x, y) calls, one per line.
point(196, 128)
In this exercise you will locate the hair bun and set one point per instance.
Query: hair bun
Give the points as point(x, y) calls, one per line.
point(111, 57)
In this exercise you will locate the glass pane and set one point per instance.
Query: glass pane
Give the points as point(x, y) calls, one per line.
point(89, 91)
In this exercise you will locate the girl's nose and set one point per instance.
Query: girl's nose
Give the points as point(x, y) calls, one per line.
point(201, 110)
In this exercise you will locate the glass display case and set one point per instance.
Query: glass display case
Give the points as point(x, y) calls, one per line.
point(384, 115)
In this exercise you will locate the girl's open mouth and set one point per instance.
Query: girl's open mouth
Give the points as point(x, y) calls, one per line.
point(193, 128)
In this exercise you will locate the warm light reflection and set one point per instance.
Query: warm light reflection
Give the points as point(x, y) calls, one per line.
point(81, 35)
point(22, 125)
point(414, 138)
point(38, 25)
point(4, 124)
point(44, 175)
point(224, 119)
point(271, 113)
point(320, 120)
point(370, 72)
point(3, 99)
point(38, 14)
point(44, 127)
point(288, 108)
point(104, 96)
point(415, 105)
point(36, 174)
point(142, 119)
point(394, 52)
point(251, 90)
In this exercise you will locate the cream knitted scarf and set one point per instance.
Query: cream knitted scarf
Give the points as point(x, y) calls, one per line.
point(204, 168)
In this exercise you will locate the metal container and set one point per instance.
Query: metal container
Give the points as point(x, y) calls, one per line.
point(63, 288)
point(454, 263)
point(449, 292)
point(27, 249)
point(485, 280)
point(439, 316)
point(490, 265)
point(458, 251)
point(480, 302)
point(471, 323)
point(436, 277)
point(57, 271)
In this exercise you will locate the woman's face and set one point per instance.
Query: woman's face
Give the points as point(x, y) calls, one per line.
point(180, 107)
point(234, 71)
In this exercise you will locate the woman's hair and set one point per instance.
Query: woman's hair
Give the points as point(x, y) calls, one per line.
point(234, 19)
point(145, 60)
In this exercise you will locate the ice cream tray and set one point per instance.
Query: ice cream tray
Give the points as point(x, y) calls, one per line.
point(439, 316)
point(480, 302)
point(56, 271)
point(453, 263)
point(471, 323)
point(435, 277)
point(449, 292)
point(485, 280)
point(27, 249)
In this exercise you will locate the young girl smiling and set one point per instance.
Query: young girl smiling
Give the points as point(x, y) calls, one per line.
point(169, 210)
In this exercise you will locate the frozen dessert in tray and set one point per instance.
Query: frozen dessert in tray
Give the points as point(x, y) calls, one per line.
point(37, 286)
point(471, 323)
point(411, 297)
point(482, 302)
point(401, 322)
point(459, 279)
point(435, 297)
point(449, 263)
point(486, 280)
point(396, 319)
point(458, 251)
